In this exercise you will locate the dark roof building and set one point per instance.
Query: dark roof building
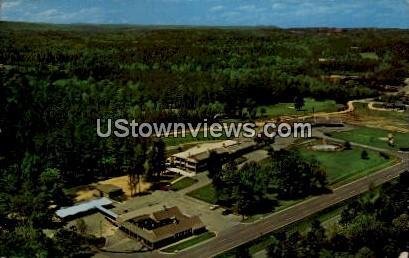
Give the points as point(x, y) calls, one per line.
point(162, 227)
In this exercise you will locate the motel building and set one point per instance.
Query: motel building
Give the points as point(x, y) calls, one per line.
point(160, 228)
point(154, 230)
point(194, 160)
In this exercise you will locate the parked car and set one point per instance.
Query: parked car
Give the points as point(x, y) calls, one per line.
point(214, 207)
point(227, 212)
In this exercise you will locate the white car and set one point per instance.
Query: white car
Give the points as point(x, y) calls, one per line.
point(214, 207)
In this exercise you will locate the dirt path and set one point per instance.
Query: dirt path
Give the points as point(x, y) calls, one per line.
point(371, 106)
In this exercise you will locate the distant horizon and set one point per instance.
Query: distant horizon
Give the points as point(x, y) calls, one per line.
point(200, 26)
point(285, 14)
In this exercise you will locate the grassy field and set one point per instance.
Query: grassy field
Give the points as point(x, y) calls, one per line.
point(381, 119)
point(183, 183)
point(347, 165)
point(190, 242)
point(287, 109)
point(373, 137)
point(205, 193)
point(369, 55)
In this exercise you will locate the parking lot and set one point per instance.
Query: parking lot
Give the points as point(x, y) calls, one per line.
point(213, 219)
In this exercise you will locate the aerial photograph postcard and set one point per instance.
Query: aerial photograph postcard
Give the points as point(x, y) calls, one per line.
point(204, 128)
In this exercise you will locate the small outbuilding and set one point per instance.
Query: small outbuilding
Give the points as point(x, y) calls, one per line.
point(108, 190)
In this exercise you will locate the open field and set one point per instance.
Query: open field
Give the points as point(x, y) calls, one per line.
point(189, 242)
point(389, 120)
point(344, 166)
point(374, 137)
point(287, 109)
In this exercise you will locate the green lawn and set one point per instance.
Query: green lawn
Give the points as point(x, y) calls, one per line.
point(183, 183)
point(188, 243)
point(373, 137)
point(347, 165)
point(369, 55)
point(288, 108)
point(206, 193)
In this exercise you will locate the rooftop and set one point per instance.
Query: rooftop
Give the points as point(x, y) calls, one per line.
point(83, 207)
point(204, 147)
point(202, 151)
point(160, 225)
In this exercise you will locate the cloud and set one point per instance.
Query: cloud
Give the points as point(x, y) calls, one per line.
point(9, 4)
point(91, 15)
point(247, 7)
point(219, 8)
point(48, 14)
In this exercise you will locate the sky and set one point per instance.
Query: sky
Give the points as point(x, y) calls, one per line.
point(281, 13)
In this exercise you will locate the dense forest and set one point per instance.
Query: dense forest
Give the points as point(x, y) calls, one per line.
point(56, 80)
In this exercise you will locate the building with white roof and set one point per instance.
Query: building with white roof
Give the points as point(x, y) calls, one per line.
point(85, 207)
point(195, 159)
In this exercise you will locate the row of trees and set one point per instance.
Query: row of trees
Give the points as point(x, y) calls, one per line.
point(375, 225)
point(256, 188)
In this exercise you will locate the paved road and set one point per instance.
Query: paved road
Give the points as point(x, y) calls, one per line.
point(243, 233)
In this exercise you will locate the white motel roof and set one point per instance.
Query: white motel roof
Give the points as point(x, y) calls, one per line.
point(83, 207)
point(204, 147)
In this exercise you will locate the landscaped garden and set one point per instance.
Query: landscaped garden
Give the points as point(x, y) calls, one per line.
point(374, 137)
point(346, 165)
